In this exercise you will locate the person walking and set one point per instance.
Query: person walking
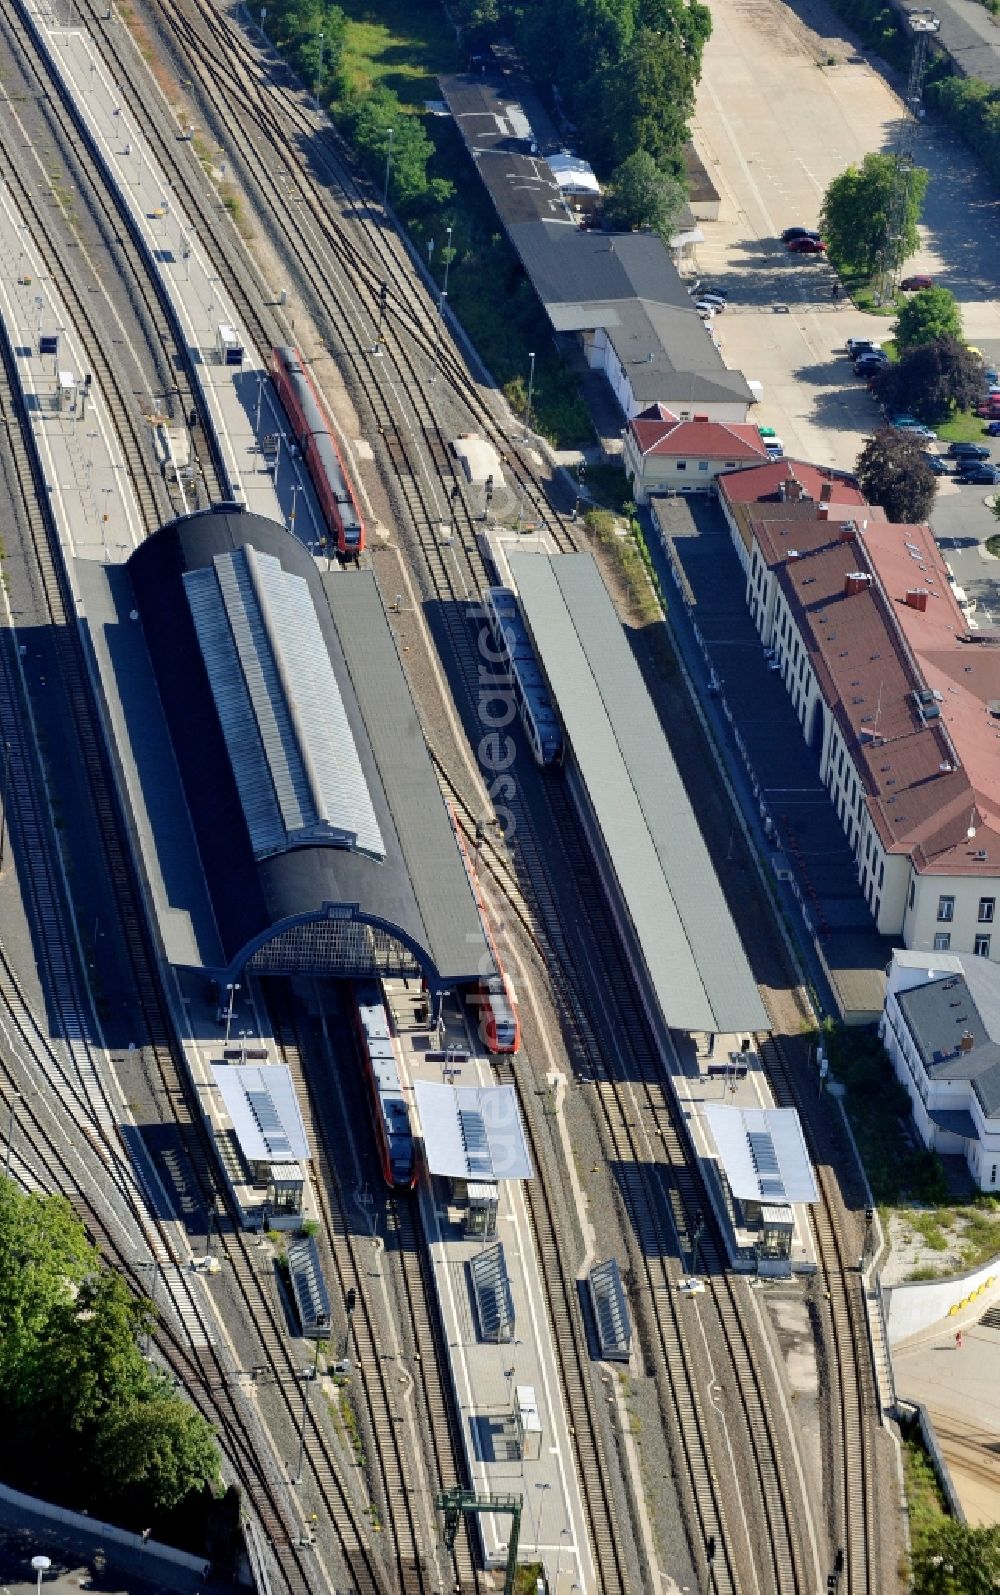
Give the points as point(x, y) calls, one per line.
point(958, 1340)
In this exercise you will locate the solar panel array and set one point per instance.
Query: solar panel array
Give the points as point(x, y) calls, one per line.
point(282, 715)
point(269, 1123)
point(476, 1144)
point(765, 1161)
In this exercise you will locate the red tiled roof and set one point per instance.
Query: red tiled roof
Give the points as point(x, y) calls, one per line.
point(764, 481)
point(704, 440)
point(926, 784)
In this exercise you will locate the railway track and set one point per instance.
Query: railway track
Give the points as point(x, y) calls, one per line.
point(82, 1084)
point(855, 1402)
point(388, 1387)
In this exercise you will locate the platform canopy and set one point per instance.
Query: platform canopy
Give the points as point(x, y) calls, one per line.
point(261, 1103)
point(763, 1152)
point(473, 1132)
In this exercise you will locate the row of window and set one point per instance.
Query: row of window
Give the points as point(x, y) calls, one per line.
point(946, 909)
point(981, 945)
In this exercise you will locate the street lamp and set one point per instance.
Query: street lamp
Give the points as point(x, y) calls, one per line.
point(383, 297)
point(388, 163)
point(40, 1565)
point(563, 1534)
point(6, 788)
point(447, 261)
point(531, 389)
point(541, 1485)
point(319, 71)
point(232, 988)
point(308, 1375)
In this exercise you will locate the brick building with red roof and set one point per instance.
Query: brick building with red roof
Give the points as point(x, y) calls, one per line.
point(663, 453)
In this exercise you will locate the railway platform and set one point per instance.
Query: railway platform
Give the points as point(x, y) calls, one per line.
point(260, 460)
point(703, 1077)
point(511, 1445)
point(90, 490)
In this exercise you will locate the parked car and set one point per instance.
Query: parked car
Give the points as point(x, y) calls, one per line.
point(711, 290)
point(914, 284)
point(774, 448)
point(797, 232)
point(981, 472)
point(808, 245)
point(900, 418)
point(939, 466)
point(989, 409)
point(711, 304)
point(858, 346)
point(916, 429)
point(868, 365)
point(972, 451)
point(993, 429)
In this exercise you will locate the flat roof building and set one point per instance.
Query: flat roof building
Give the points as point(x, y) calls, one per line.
point(658, 872)
point(323, 842)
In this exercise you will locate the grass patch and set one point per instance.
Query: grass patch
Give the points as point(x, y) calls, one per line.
point(962, 428)
point(526, 1578)
point(628, 551)
point(234, 205)
point(404, 50)
point(923, 1493)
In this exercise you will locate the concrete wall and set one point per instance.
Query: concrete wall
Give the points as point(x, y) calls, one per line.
point(175, 1570)
point(912, 1308)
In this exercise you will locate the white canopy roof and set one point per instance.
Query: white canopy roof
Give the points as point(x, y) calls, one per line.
point(473, 1132)
point(763, 1153)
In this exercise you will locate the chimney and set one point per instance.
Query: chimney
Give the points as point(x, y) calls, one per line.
point(793, 490)
point(782, 491)
point(826, 493)
point(822, 512)
point(848, 532)
point(916, 598)
point(856, 581)
point(967, 1042)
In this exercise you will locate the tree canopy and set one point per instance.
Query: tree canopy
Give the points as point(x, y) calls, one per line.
point(958, 1559)
point(931, 313)
point(642, 195)
point(856, 211)
point(892, 472)
point(933, 380)
point(84, 1416)
point(384, 131)
point(296, 27)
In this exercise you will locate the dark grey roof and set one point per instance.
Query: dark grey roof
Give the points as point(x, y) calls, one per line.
point(668, 356)
point(697, 967)
point(570, 266)
point(499, 122)
point(421, 888)
point(940, 1012)
point(957, 1121)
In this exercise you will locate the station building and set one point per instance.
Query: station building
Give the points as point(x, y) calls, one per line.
point(895, 690)
point(290, 819)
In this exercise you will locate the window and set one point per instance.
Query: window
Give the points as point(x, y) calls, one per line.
point(942, 941)
point(993, 1175)
point(946, 908)
point(703, 465)
point(981, 947)
point(913, 893)
point(986, 907)
point(881, 875)
point(682, 465)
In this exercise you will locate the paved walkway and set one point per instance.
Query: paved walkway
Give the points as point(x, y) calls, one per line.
point(961, 1391)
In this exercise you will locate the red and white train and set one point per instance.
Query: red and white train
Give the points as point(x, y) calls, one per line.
point(319, 450)
point(499, 1020)
point(390, 1115)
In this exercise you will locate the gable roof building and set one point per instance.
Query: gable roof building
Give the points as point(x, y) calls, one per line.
point(663, 454)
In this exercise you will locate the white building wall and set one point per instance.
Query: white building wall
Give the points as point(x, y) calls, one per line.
point(965, 909)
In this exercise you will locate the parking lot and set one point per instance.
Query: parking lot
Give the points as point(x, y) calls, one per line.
point(774, 125)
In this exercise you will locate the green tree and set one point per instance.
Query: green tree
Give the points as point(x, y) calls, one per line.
point(644, 196)
point(44, 1258)
point(88, 1359)
point(958, 1559)
point(156, 1449)
point(642, 102)
point(856, 211)
point(408, 150)
point(932, 313)
point(892, 472)
point(933, 380)
point(296, 26)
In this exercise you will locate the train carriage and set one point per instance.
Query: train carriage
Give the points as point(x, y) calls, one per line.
point(390, 1115)
point(319, 450)
point(531, 693)
point(499, 1020)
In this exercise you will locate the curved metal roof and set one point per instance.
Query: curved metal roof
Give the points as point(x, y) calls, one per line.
point(321, 806)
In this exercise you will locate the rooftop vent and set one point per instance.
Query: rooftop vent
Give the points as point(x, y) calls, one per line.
point(826, 492)
point(822, 512)
point(916, 598)
point(848, 532)
point(856, 581)
point(968, 1041)
point(981, 856)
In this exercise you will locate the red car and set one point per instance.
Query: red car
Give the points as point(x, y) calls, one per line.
point(806, 246)
point(914, 284)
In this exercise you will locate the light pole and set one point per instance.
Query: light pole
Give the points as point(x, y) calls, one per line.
point(383, 296)
point(10, 1133)
point(260, 401)
point(291, 516)
point(447, 261)
point(541, 1485)
point(563, 1533)
point(709, 1563)
point(308, 1375)
point(531, 389)
point(232, 989)
point(40, 1565)
point(388, 163)
point(319, 71)
point(698, 1232)
point(3, 816)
